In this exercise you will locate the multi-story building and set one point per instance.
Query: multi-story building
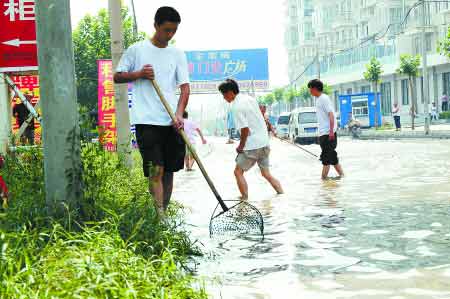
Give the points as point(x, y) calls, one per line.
point(348, 33)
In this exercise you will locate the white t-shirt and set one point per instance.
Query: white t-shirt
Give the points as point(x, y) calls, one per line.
point(324, 107)
point(171, 71)
point(246, 114)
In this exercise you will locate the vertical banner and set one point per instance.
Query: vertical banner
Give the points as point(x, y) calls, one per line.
point(27, 85)
point(106, 105)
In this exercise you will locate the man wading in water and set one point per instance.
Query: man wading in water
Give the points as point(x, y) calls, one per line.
point(160, 145)
point(327, 129)
point(254, 145)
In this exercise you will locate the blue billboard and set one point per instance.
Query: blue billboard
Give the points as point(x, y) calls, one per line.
point(217, 65)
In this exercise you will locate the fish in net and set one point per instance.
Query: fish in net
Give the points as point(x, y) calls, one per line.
point(241, 218)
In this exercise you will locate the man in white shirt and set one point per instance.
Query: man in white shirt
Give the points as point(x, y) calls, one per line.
point(327, 129)
point(254, 144)
point(161, 147)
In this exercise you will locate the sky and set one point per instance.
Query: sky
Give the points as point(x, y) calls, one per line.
point(215, 25)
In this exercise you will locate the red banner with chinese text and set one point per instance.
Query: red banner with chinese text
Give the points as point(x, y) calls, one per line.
point(18, 49)
point(27, 85)
point(106, 105)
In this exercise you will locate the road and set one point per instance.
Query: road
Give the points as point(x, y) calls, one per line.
point(381, 232)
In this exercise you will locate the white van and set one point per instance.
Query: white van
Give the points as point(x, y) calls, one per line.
point(303, 126)
point(282, 127)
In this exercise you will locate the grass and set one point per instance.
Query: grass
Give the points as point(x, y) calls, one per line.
point(111, 246)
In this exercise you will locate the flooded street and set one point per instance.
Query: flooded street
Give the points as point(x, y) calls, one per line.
point(381, 232)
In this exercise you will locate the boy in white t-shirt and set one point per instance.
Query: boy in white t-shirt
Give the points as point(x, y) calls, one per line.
point(161, 146)
point(191, 129)
point(327, 129)
point(254, 144)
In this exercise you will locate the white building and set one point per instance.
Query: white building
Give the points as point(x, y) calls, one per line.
point(348, 33)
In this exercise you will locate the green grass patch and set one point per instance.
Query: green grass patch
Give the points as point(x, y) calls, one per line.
point(111, 246)
point(444, 115)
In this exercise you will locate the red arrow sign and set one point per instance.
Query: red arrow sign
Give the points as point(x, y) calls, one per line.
point(18, 50)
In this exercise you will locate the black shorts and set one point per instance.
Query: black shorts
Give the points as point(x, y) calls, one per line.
point(160, 146)
point(329, 154)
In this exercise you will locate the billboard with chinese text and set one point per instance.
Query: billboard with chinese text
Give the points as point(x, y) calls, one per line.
point(106, 105)
point(27, 85)
point(250, 67)
point(18, 51)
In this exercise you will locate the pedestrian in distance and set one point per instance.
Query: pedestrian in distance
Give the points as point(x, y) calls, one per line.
point(254, 143)
point(396, 114)
point(270, 128)
point(160, 144)
point(21, 113)
point(191, 129)
point(326, 117)
point(433, 112)
point(444, 100)
point(230, 127)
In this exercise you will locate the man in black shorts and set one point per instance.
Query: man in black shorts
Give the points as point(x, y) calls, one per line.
point(327, 129)
point(162, 148)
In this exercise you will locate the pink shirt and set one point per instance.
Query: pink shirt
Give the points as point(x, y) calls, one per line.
point(190, 128)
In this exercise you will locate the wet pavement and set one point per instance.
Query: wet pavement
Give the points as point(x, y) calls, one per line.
point(381, 232)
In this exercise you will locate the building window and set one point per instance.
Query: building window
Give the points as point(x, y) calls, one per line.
point(360, 108)
point(386, 101)
point(405, 92)
point(446, 83)
point(365, 89)
point(349, 91)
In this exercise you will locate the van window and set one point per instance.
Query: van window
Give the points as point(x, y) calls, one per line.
point(307, 118)
point(283, 120)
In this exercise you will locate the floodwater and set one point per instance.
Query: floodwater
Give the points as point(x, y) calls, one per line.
point(381, 232)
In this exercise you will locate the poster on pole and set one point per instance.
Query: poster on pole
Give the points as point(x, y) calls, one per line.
point(18, 49)
point(106, 105)
point(27, 85)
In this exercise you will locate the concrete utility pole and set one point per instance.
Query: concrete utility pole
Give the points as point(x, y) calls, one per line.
point(62, 164)
point(426, 87)
point(120, 90)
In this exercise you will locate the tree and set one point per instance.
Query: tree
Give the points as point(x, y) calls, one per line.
point(373, 75)
point(304, 93)
point(91, 40)
point(444, 45)
point(409, 66)
point(289, 96)
point(278, 97)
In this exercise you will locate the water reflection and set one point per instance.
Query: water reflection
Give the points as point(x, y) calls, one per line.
point(381, 232)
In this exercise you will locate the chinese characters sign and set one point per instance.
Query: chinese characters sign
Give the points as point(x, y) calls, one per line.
point(18, 51)
point(27, 85)
point(249, 67)
point(106, 105)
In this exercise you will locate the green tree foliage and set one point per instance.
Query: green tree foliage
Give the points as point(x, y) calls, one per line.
point(373, 71)
point(373, 75)
point(278, 94)
point(304, 93)
point(91, 41)
point(290, 94)
point(444, 45)
point(409, 66)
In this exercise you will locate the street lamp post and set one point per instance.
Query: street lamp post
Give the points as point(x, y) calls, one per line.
point(426, 89)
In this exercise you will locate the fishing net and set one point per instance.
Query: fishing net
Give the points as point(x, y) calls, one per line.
point(241, 218)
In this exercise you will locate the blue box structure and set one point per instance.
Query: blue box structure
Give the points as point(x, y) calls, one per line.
point(360, 106)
